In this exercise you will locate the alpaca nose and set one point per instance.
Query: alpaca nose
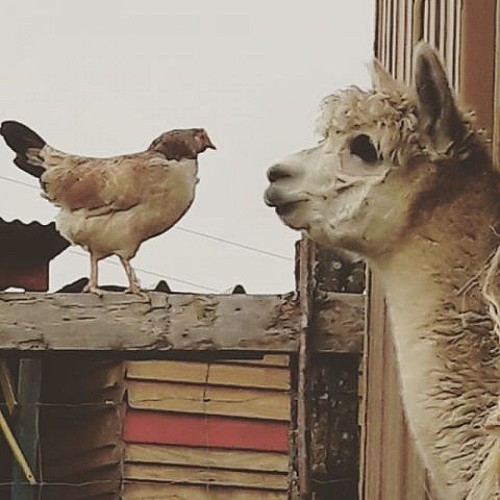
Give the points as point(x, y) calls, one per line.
point(277, 172)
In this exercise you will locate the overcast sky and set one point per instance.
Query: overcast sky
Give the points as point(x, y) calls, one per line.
point(102, 78)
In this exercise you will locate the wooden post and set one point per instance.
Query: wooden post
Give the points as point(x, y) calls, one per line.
point(306, 295)
point(29, 390)
point(334, 376)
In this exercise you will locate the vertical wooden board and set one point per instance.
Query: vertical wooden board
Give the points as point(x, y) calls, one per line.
point(449, 34)
point(334, 426)
point(478, 59)
point(457, 42)
point(27, 427)
point(393, 443)
point(401, 29)
point(380, 48)
point(443, 31)
point(414, 479)
point(384, 48)
point(389, 36)
point(418, 20)
point(432, 22)
point(425, 20)
point(334, 420)
point(391, 465)
point(377, 29)
point(496, 135)
point(307, 289)
point(374, 384)
point(409, 41)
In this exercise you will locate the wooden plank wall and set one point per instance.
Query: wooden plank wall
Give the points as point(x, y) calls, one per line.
point(391, 464)
point(207, 430)
point(81, 428)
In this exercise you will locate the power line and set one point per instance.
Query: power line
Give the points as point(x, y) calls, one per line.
point(190, 231)
point(21, 183)
point(232, 243)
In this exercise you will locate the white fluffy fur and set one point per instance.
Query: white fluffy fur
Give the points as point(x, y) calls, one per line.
point(424, 215)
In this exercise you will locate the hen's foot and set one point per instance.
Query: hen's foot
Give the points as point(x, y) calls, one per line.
point(135, 290)
point(88, 288)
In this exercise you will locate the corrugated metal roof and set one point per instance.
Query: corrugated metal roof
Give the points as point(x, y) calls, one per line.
point(32, 243)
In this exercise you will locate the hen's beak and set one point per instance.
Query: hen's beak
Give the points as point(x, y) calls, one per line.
point(206, 142)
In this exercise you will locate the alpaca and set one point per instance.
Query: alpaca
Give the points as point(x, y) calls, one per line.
point(402, 178)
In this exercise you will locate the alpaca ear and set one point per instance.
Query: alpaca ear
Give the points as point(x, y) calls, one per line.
point(381, 78)
point(438, 112)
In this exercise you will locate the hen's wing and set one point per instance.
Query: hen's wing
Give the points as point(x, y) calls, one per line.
point(98, 185)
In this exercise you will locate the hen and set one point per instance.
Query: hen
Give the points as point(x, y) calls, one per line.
point(109, 206)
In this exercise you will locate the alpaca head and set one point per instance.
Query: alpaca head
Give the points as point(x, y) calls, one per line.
point(383, 156)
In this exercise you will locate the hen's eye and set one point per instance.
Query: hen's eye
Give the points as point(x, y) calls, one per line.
point(363, 147)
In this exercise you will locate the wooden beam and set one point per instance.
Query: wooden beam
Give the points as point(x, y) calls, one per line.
point(39, 323)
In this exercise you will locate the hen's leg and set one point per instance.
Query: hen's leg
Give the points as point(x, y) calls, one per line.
point(133, 282)
point(91, 286)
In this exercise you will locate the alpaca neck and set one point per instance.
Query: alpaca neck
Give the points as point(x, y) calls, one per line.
point(444, 342)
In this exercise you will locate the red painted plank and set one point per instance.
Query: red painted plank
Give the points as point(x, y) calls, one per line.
point(205, 431)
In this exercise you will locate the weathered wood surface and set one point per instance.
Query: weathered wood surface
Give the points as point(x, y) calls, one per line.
point(201, 475)
point(221, 458)
point(334, 379)
point(229, 374)
point(209, 400)
point(338, 322)
point(166, 322)
point(161, 490)
point(307, 289)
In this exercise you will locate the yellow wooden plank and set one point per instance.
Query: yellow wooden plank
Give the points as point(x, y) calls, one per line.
point(214, 373)
point(16, 450)
point(199, 475)
point(207, 457)
point(161, 491)
point(210, 400)
point(7, 386)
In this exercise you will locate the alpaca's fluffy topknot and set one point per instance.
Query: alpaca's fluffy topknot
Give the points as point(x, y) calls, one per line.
point(390, 117)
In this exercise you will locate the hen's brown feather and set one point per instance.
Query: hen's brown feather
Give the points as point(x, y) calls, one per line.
point(111, 205)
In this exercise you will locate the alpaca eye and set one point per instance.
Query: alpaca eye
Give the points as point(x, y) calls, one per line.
point(363, 147)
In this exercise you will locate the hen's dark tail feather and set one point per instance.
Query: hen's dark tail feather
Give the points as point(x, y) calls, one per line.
point(20, 138)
